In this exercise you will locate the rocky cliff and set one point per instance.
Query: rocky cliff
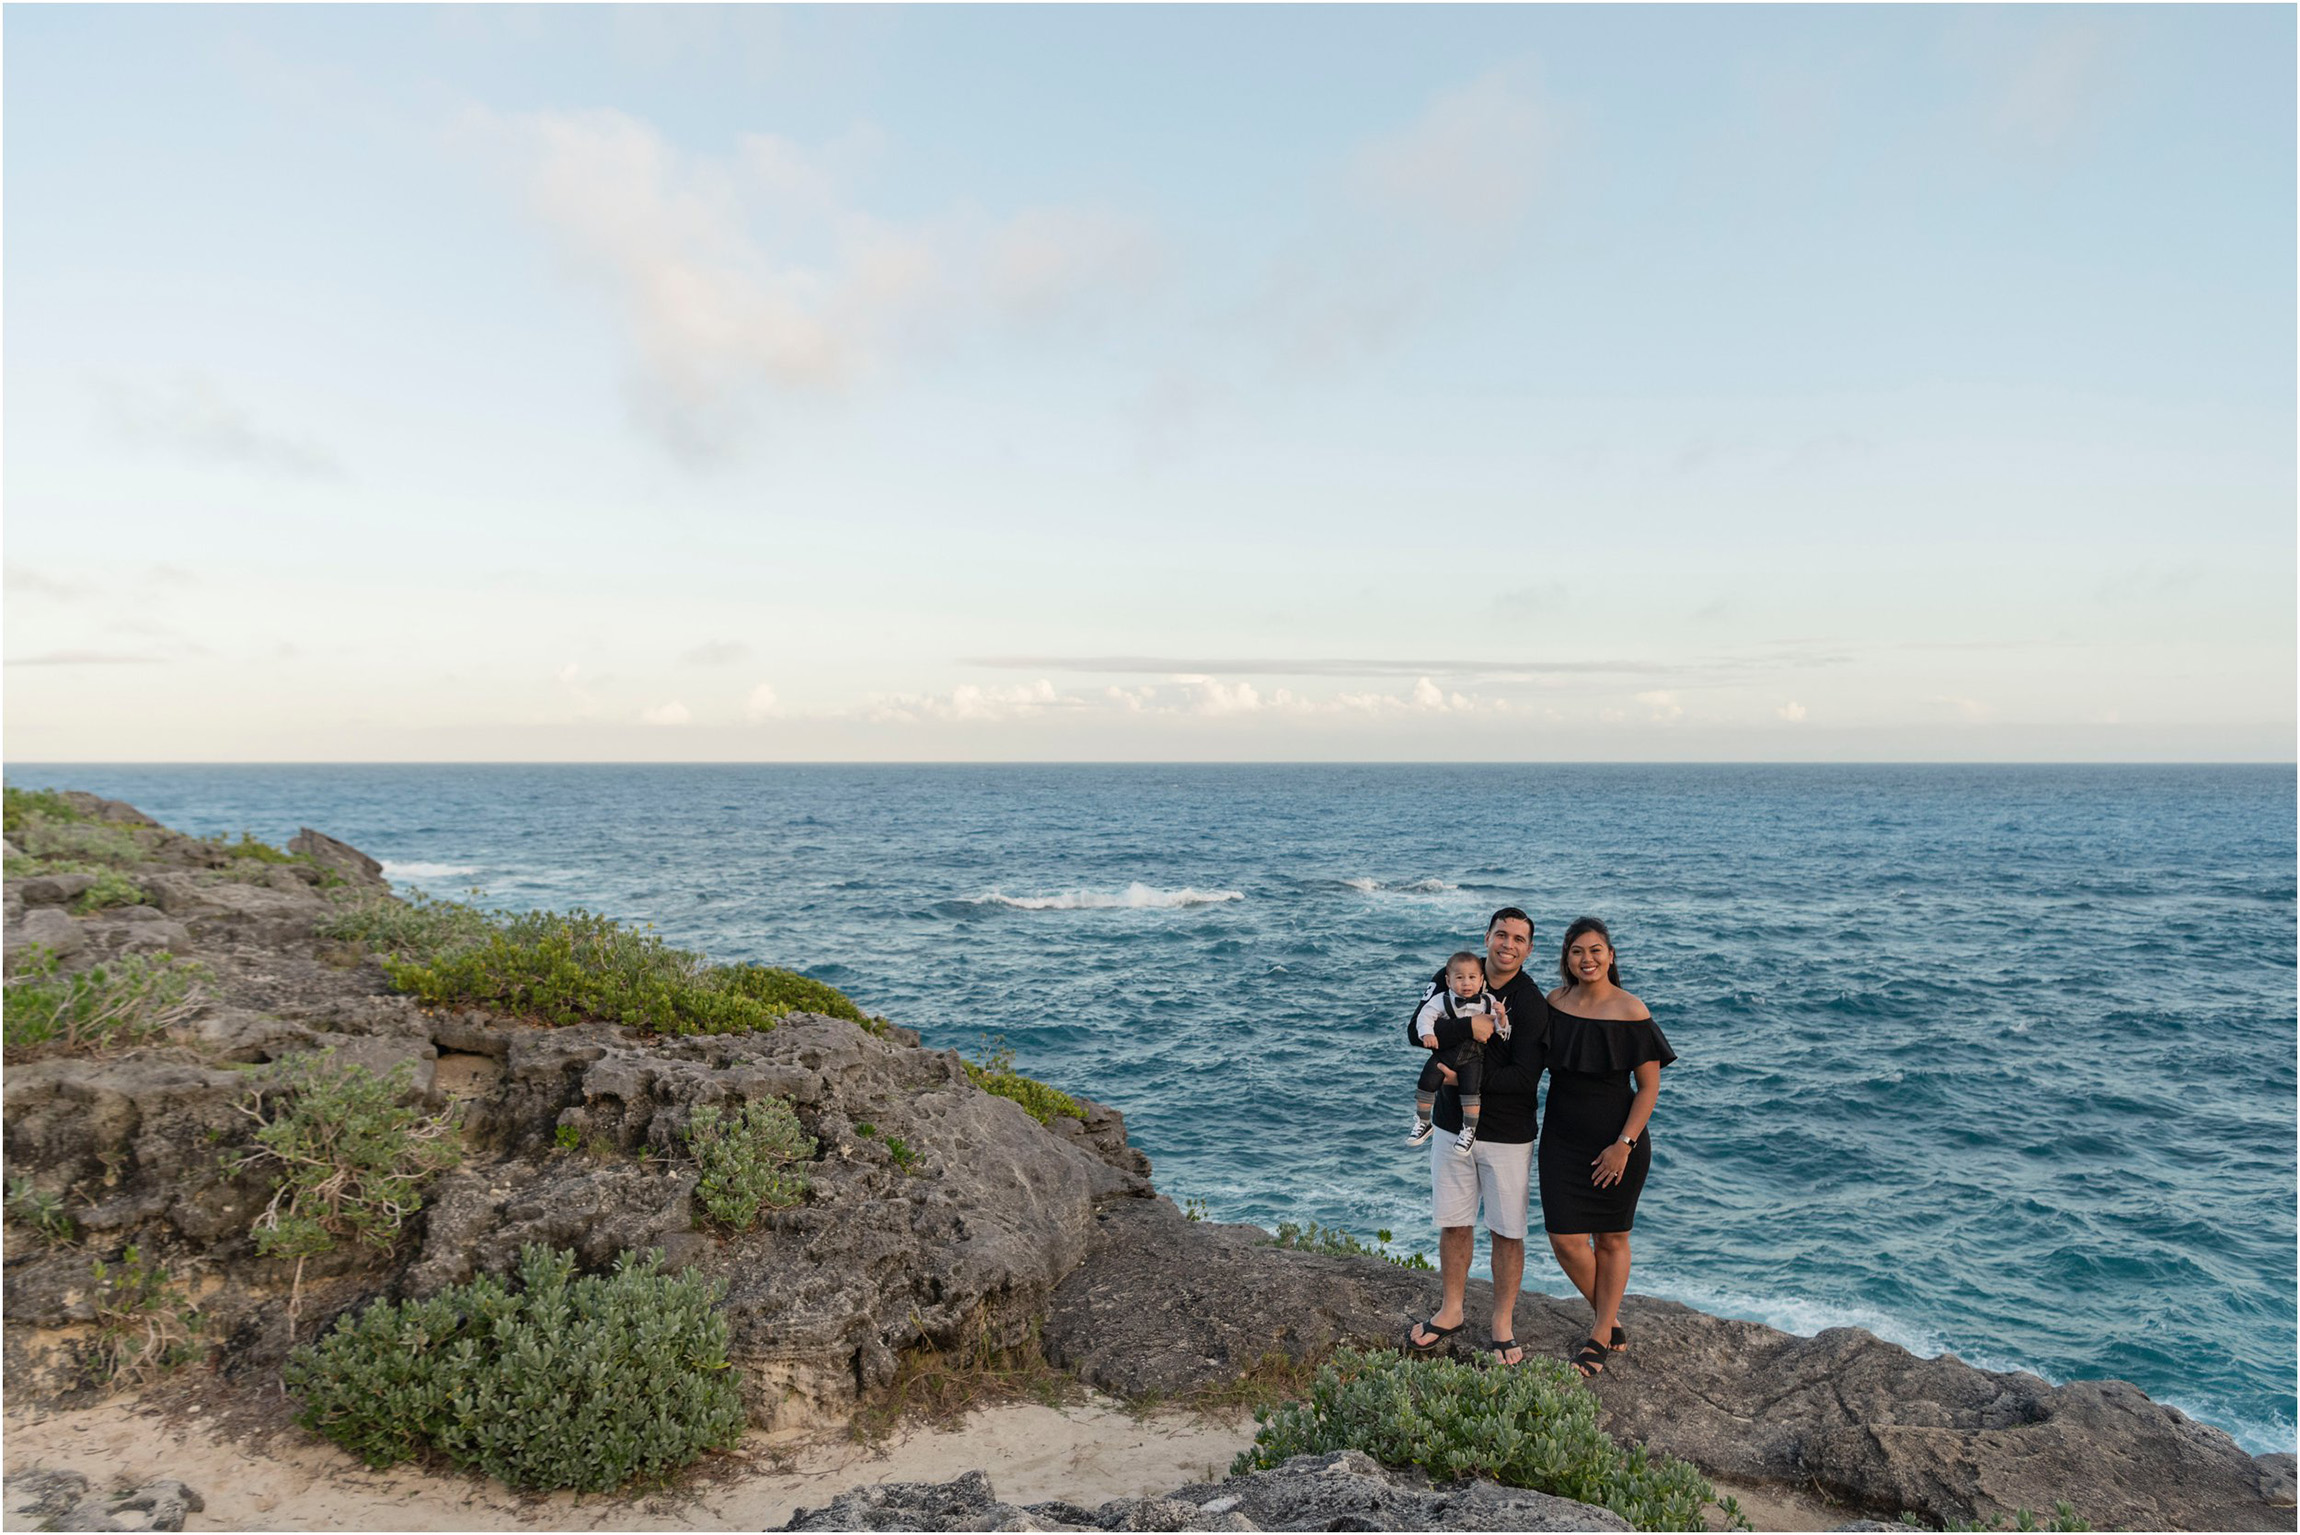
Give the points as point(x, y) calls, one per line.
point(938, 1214)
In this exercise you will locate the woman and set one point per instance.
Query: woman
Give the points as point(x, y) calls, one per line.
point(1605, 1060)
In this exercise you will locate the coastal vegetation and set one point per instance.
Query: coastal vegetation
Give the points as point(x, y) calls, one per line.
point(1530, 1426)
point(41, 1211)
point(1310, 1237)
point(564, 1382)
point(752, 1161)
point(993, 1071)
point(145, 1325)
point(120, 1002)
point(939, 1384)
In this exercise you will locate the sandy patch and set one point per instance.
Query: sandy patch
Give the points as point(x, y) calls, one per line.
point(1083, 1453)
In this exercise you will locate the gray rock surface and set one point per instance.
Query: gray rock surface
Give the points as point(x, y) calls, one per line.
point(347, 862)
point(40, 1499)
point(1163, 1304)
point(1342, 1491)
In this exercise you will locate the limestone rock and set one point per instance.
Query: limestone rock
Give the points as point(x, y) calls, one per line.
point(50, 889)
point(62, 1500)
point(345, 861)
point(103, 809)
point(49, 928)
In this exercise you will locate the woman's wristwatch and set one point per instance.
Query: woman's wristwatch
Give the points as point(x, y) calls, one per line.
point(1628, 1140)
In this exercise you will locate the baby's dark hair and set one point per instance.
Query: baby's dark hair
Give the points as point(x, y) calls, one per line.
point(1465, 957)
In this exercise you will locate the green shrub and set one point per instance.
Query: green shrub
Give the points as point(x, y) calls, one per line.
point(41, 1211)
point(417, 928)
point(145, 1327)
point(578, 1383)
point(2064, 1518)
point(1531, 1425)
point(19, 806)
point(899, 1149)
point(112, 888)
point(993, 1071)
point(787, 991)
point(250, 848)
point(118, 1003)
point(563, 969)
point(752, 1161)
point(348, 1159)
point(1314, 1238)
point(80, 841)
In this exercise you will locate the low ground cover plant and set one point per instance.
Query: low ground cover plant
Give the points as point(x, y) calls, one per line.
point(87, 844)
point(19, 806)
point(145, 1324)
point(347, 1158)
point(1531, 1425)
point(118, 1003)
point(582, 1383)
point(415, 929)
point(752, 1161)
point(1310, 1237)
point(42, 1211)
point(993, 1071)
point(942, 1383)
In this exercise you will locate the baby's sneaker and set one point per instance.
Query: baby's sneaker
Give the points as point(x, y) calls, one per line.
point(1421, 1135)
point(1464, 1141)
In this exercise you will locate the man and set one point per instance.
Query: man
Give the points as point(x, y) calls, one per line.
point(1498, 1170)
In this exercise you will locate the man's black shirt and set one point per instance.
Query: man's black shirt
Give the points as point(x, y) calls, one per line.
point(1507, 1115)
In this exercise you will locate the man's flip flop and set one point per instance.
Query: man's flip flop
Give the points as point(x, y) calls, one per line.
point(1589, 1359)
point(1501, 1346)
point(1438, 1334)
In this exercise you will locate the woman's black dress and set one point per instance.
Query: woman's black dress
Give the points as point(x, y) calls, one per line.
point(1591, 1085)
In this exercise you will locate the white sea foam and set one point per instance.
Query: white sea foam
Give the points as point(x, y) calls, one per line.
point(1135, 897)
point(417, 870)
point(1363, 886)
point(1411, 887)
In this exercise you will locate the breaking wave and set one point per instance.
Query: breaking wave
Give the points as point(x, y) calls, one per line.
point(1135, 897)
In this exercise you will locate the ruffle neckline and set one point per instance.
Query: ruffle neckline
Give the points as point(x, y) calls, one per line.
point(1604, 1047)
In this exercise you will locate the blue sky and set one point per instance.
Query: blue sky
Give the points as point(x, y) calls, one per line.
point(1516, 383)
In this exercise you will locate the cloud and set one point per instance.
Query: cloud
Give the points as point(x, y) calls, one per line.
point(761, 704)
point(190, 416)
point(756, 273)
point(1309, 666)
point(2053, 88)
point(570, 680)
point(969, 703)
point(1792, 711)
point(1972, 711)
point(1471, 163)
point(1209, 696)
point(24, 581)
point(673, 713)
point(716, 653)
point(85, 658)
point(1664, 705)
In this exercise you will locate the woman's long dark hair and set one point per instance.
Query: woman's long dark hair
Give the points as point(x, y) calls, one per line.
point(1580, 926)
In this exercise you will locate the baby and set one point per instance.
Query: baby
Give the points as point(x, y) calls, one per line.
point(1463, 995)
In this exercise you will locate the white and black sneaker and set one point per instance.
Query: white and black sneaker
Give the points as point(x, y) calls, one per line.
point(1422, 1131)
point(1464, 1141)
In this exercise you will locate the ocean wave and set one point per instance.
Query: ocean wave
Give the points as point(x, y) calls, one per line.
point(419, 870)
point(1410, 887)
point(1135, 897)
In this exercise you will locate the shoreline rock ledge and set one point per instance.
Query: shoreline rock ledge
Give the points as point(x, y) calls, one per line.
point(940, 1215)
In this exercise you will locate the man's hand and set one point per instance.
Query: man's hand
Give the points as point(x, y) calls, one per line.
point(1481, 1026)
point(1447, 1072)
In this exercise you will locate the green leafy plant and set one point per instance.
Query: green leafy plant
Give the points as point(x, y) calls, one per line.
point(112, 888)
point(993, 1071)
point(865, 1129)
point(1529, 1426)
point(250, 848)
point(1311, 1237)
point(2064, 1517)
point(42, 1211)
point(582, 1383)
point(942, 1382)
point(414, 929)
point(81, 841)
point(144, 1325)
point(567, 1138)
point(19, 806)
point(787, 991)
point(904, 1157)
point(347, 1158)
point(1194, 1210)
point(751, 1161)
point(108, 1006)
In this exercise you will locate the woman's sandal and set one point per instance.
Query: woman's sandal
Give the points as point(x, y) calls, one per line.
point(1619, 1342)
point(1438, 1334)
point(1589, 1359)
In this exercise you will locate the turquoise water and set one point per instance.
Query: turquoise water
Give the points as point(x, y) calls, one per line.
point(1991, 1060)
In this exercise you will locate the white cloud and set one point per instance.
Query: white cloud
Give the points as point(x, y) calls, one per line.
point(1971, 710)
point(1792, 711)
point(1664, 705)
point(673, 713)
point(715, 652)
point(190, 415)
point(24, 581)
point(1471, 163)
point(970, 703)
point(761, 705)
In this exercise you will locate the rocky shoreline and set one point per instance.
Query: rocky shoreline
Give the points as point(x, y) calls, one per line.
point(941, 1216)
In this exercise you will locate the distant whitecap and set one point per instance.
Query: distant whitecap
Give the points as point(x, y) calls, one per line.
point(1135, 897)
point(418, 870)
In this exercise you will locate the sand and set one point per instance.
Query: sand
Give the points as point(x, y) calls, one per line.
point(1083, 1453)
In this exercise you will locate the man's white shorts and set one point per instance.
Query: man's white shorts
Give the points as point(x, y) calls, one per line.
point(1493, 1173)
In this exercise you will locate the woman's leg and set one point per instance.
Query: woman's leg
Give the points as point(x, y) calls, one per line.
point(1612, 1264)
point(1579, 1260)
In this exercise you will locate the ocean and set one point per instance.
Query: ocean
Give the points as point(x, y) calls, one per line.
point(1990, 1060)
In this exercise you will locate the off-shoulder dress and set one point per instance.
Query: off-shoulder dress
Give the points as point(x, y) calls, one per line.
point(1592, 1081)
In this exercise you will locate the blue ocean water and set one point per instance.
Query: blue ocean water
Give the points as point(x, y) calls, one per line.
point(1991, 1060)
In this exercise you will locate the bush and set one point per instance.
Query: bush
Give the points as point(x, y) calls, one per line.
point(1314, 1238)
point(756, 1160)
point(118, 1003)
point(579, 1383)
point(993, 1071)
point(565, 969)
point(349, 1159)
point(2064, 1518)
point(20, 806)
point(80, 841)
point(145, 1327)
point(787, 991)
point(249, 847)
point(43, 1212)
point(417, 928)
point(1531, 1425)
point(112, 888)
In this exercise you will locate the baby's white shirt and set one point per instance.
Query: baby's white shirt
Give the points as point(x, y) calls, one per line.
point(1426, 1021)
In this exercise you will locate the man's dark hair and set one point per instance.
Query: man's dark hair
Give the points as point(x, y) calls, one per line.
point(1505, 914)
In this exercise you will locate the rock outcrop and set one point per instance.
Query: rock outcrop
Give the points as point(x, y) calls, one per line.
point(63, 1500)
point(1341, 1491)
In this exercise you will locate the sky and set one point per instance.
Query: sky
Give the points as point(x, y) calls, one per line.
point(1113, 383)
